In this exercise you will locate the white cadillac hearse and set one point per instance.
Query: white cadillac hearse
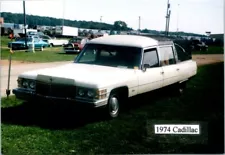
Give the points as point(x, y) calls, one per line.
point(109, 70)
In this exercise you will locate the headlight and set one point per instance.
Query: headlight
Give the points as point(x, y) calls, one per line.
point(90, 93)
point(32, 84)
point(25, 83)
point(81, 92)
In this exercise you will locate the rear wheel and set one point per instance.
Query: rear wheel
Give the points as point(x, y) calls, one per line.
point(51, 45)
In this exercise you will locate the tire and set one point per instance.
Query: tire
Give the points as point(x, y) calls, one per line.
point(113, 107)
point(51, 45)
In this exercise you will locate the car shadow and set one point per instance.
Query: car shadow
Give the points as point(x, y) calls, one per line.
point(49, 115)
point(69, 53)
point(53, 115)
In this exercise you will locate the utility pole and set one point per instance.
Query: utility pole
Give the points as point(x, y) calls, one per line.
point(178, 17)
point(167, 17)
point(139, 25)
point(168, 24)
point(100, 19)
point(101, 24)
point(64, 1)
point(24, 21)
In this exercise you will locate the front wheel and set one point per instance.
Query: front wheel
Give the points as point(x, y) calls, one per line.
point(113, 106)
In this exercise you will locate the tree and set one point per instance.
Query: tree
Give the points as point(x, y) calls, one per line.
point(120, 26)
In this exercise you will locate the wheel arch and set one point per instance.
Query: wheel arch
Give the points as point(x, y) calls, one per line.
point(122, 91)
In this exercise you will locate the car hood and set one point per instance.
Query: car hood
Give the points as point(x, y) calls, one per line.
point(83, 74)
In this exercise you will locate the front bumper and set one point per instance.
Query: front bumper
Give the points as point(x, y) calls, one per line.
point(71, 50)
point(32, 96)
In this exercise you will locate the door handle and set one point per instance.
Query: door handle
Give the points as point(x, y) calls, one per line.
point(162, 72)
point(178, 69)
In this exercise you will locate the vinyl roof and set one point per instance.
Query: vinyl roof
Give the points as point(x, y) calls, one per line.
point(130, 40)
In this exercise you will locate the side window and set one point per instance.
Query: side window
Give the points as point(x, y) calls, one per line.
point(89, 55)
point(175, 54)
point(167, 56)
point(181, 54)
point(151, 58)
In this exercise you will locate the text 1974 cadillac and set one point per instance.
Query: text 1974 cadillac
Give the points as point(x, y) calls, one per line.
point(109, 70)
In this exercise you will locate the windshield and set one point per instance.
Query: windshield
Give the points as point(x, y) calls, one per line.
point(109, 55)
point(75, 40)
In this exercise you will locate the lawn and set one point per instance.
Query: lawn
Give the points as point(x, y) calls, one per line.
point(49, 128)
point(48, 55)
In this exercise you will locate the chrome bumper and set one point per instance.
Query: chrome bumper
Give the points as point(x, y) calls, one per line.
point(71, 51)
point(31, 96)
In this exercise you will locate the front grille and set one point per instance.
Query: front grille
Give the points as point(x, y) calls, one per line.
point(56, 90)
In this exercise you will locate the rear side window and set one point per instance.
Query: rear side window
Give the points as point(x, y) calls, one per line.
point(167, 56)
point(182, 55)
point(151, 58)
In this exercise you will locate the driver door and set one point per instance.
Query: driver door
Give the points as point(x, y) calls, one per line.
point(151, 76)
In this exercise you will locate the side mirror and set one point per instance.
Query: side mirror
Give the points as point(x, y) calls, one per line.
point(145, 66)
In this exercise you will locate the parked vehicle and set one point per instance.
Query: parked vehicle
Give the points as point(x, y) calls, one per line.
point(74, 45)
point(108, 71)
point(53, 41)
point(198, 45)
point(19, 44)
point(18, 32)
point(66, 31)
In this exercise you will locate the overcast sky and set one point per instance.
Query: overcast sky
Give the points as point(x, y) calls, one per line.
point(197, 16)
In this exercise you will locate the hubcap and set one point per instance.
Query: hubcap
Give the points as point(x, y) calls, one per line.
point(114, 105)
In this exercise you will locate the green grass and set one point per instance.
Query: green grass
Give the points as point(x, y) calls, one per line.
point(211, 50)
point(48, 55)
point(48, 128)
point(4, 41)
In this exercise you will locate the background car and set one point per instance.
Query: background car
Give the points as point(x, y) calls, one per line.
point(53, 41)
point(74, 45)
point(198, 45)
point(19, 44)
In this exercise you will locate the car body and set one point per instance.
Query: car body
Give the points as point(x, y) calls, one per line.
point(74, 45)
point(108, 71)
point(53, 41)
point(19, 44)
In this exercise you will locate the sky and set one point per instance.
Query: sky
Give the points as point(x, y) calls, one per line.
point(196, 16)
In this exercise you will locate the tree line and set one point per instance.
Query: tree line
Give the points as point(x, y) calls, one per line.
point(33, 20)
